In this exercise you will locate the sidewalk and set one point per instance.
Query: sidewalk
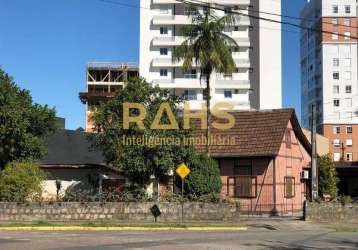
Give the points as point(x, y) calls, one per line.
point(248, 224)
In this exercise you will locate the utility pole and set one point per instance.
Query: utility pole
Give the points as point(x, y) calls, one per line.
point(314, 172)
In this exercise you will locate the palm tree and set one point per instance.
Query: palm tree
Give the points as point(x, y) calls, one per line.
point(209, 47)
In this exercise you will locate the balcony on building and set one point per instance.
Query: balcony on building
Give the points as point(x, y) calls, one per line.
point(232, 83)
point(178, 40)
point(183, 15)
point(224, 2)
point(182, 79)
point(242, 62)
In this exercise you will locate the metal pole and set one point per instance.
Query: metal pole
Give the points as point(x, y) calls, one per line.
point(182, 200)
point(314, 177)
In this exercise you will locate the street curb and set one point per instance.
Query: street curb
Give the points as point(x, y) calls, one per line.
point(80, 228)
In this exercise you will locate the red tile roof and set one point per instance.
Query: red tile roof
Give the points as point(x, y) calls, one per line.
point(257, 133)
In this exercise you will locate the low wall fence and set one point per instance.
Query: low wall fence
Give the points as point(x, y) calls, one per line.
point(331, 212)
point(119, 212)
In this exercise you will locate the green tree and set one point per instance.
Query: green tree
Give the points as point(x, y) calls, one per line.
point(21, 181)
point(24, 126)
point(139, 161)
point(327, 174)
point(209, 47)
point(204, 178)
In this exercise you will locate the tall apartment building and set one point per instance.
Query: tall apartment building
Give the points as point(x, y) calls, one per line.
point(102, 80)
point(329, 73)
point(256, 83)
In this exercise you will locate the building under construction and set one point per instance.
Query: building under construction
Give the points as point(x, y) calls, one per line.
point(102, 81)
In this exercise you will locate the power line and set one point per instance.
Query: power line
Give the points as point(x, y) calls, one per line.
point(142, 7)
point(124, 4)
point(203, 4)
point(278, 15)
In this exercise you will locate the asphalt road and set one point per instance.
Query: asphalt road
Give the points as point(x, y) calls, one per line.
point(175, 240)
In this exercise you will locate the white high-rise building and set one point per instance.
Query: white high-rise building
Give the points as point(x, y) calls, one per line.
point(329, 73)
point(256, 83)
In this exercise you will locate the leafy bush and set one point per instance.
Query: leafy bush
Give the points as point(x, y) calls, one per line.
point(345, 199)
point(21, 181)
point(80, 192)
point(328, 179)
point(204, 178)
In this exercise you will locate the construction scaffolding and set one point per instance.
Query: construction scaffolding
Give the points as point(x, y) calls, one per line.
point(103, 80)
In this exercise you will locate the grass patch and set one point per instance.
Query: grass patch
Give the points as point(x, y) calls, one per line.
point(345, 229)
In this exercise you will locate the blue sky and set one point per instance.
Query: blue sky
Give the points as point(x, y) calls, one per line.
point(45, 46)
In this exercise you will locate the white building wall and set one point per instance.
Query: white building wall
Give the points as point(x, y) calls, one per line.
point(317, 66)
point(261, 76)
point(348, 102)
point(270, 57)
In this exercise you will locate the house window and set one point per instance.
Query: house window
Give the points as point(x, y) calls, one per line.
point(163, 51)
point(335, 9)
point(349, 156)
point(346, 49)
point(348, 89)
point(349, 142)
point(163, 30)
point(336, 156)
point(245, 183)
point(335, 62)
point(236, 28)
point(347, 9)
point(349, 116)
point(347, 35)
point(336, 129)
point(335, 22)
point(348, 102)
point(336, 143)
point(348, 75)
point(190, 74)
point(336, 103)
point(164, 11)
point(163, 72)
point(289, 187)
point(228, 94)
point(335, 89)
point(335, 36)
point(347, 22)
point(190, 95)
point(349, 129)
point(245, 186)
point(347, 62)
point(336, 75)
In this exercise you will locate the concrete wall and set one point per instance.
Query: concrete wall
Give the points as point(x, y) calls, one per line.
point(331, 212)
point(117, 212)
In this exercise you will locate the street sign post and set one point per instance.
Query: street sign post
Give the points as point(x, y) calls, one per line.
point(183, 172)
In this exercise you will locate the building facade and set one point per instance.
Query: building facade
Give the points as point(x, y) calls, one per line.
point(102, 81)
point(256, 83)
point(268, 166)
point(329, 73)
